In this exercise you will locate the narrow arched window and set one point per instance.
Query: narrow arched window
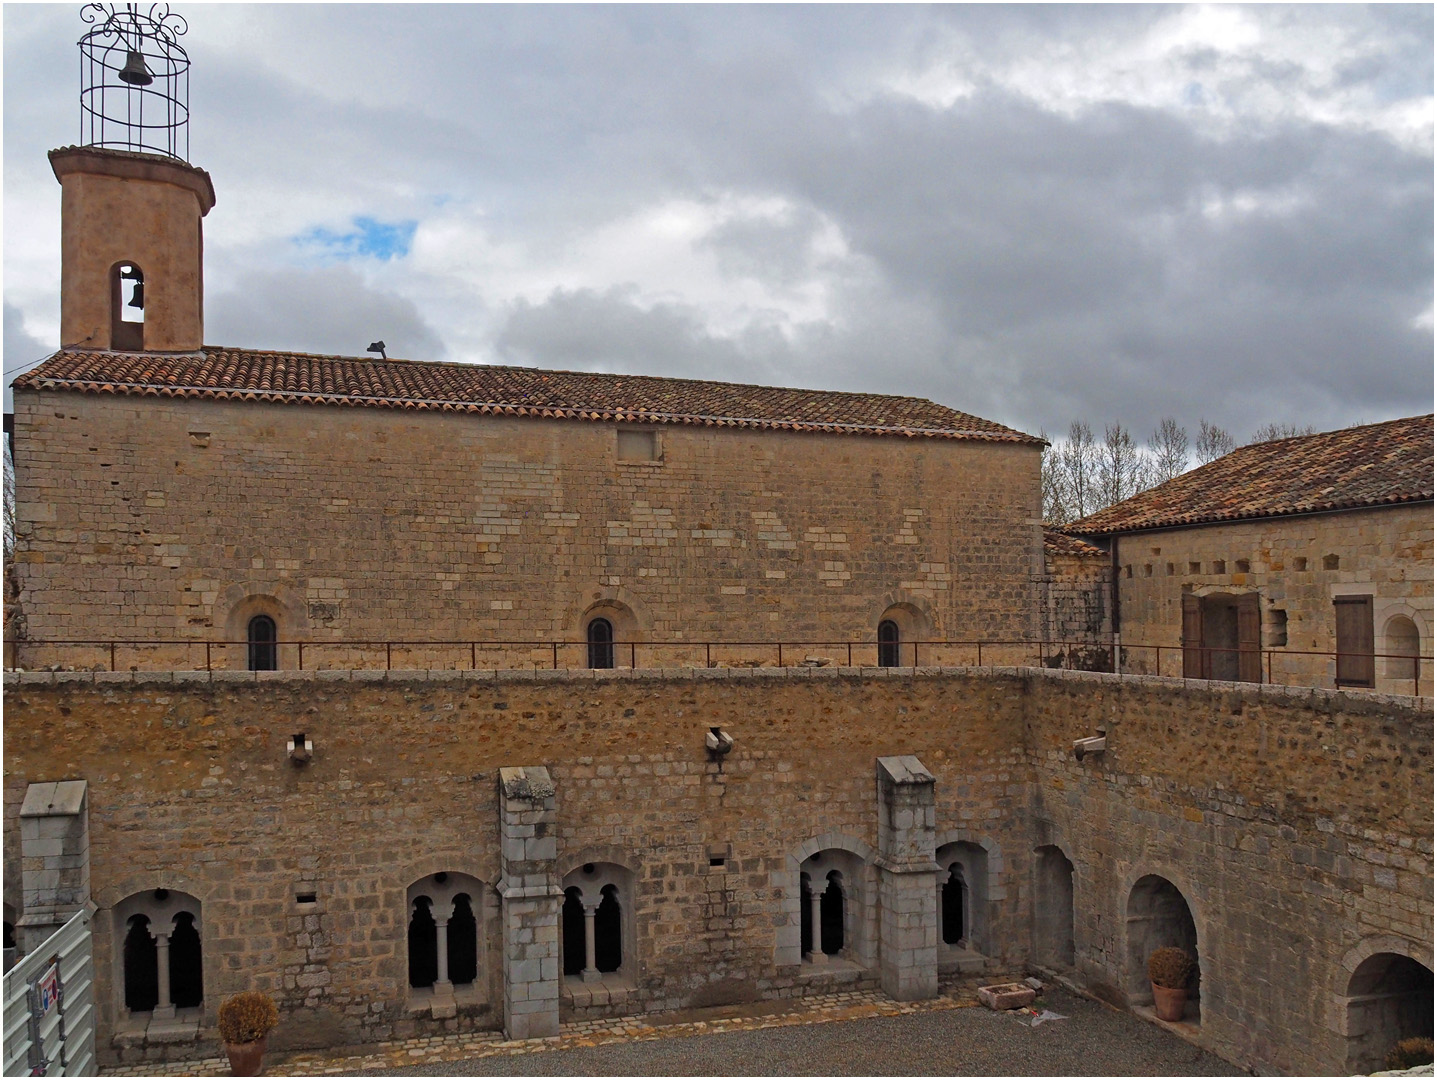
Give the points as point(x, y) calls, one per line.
point(601, 643)
point(888, 643)
point(263, 650)
point(955, 906)
point(142, 979)
point(186, 970)
point(127, 307)
point(463, 942)
point(423, 945)
point(608, 931)
point(572, 929)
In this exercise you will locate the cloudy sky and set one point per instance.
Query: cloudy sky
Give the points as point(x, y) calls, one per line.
point(1031, 213)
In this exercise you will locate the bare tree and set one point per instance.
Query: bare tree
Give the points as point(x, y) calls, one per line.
point(1167, 451)
point(1212, 443)
point(1121, 470)
point(1055, 506)
point(1079, 467)
point(1268, 432)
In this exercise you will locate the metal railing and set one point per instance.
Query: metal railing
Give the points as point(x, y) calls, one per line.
point(1282, 666)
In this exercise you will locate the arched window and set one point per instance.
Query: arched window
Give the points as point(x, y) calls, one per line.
point(955, 906)
point(127, 307)
point(888, 643)
point(463, 942)
point(598, 899)
point(263, 651)
point(423, 944)
point(160, 953)
point(573, 929)
point(142, 971)
point(186, 984)
point(445, 912)
point(608, 931)
point(601, 643)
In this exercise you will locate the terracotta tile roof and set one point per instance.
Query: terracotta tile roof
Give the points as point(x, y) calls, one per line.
point(1373, 465)
point(249, 375)
point(1056, 543)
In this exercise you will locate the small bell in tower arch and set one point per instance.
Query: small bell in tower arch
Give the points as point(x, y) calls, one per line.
point(134, 72)
point(132, 273)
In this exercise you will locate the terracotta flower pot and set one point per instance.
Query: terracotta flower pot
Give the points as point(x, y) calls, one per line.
point(1169, 1004)
point(246, 1059)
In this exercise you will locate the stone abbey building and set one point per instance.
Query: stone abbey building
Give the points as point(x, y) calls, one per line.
point(392, 689)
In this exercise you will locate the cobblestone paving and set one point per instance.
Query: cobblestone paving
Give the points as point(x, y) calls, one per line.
point(875, 1036)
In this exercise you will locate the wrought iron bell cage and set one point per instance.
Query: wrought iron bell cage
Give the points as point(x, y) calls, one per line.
point(135, 80)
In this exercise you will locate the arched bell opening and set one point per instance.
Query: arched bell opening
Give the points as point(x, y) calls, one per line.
point(127, 307)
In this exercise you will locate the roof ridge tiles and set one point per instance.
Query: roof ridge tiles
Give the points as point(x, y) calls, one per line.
point(225, 373)
point(1380, 464)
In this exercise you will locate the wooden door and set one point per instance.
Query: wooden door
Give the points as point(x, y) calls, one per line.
point(1193, 659)
point(1249, 638)
point(1355, 662)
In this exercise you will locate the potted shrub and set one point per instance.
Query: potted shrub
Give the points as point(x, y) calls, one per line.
point(245, 1022)
point(1169, 970)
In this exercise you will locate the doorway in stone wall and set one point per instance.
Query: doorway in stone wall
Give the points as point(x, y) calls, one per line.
point(1222, 637)
point(1158, 916)
point(1053, 909)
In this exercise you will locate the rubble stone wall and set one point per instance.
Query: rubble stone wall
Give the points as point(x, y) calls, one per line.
point(1297, 825)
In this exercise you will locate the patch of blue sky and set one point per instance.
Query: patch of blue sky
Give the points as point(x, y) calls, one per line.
point(368, 239)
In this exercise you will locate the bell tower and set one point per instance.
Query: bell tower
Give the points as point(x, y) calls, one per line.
point(131, 207)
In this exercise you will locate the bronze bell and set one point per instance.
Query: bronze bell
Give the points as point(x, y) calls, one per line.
point(134, 72)
point(137, 300)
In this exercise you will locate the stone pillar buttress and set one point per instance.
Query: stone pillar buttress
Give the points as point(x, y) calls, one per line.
point(908, 909)
point(530, 900)
point(54, 858)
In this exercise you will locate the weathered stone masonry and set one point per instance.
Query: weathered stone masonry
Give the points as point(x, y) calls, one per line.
point(1295, 823)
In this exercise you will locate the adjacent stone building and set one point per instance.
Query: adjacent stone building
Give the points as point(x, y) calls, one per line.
point(1297, 560)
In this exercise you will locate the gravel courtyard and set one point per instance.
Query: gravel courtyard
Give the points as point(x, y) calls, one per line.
point(1093, 1041)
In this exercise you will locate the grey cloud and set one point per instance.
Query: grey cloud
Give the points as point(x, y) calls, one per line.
point(324, 310)
point(1021, 264)
point(22, 349)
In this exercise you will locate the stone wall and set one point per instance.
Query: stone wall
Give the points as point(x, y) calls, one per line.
point(150, 519)
point(1077, 604)
point(1296, 824)
point(1297, 565)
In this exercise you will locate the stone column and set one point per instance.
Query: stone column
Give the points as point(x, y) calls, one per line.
point(54, 858)
point(908, 916)
point(591, 969)
point(165, 1007)
point(815, 929)
point(441, 943)
point(529, 899)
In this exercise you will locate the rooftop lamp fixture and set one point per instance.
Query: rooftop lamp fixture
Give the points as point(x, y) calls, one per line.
point(377, 346)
